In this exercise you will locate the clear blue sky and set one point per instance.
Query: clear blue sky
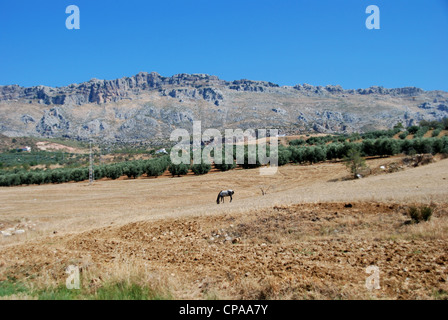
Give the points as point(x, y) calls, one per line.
point(318, 42)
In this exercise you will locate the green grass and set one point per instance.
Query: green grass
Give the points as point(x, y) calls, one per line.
point(59, 293)
point(9, 288)
point(129, 291)
point(440, 294)
point(121, 290)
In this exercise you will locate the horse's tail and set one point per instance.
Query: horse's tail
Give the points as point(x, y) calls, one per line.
point(217, 199)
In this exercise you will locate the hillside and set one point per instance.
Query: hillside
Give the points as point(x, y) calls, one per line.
point(147, 107)
point(310, 237)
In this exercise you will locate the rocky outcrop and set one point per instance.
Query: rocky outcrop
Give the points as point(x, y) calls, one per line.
point(208, 94)
point(52, 122)
point(148, 107)
point(375, 90)
point(181, 86)
point(27, 119)
point(251, 86)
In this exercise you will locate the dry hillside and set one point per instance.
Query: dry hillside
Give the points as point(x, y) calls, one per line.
point(311, 236)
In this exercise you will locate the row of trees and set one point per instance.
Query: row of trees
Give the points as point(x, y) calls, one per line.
point(133, 169)
point(418, 131)
point(369, 147)
point(322, 140)
point(297, 154)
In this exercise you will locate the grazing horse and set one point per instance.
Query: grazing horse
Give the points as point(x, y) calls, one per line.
point(222, 194)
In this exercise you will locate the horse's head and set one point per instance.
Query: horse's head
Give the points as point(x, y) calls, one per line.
point(231, 192)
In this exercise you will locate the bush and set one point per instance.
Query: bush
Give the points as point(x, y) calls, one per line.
point(78, 175)
point(155, 168)
point(380, 134)
point(133, 170)
point(10, 180)
point(421, 132)
point(403, 135)
point(386, 147)
point(202, 168)
point(426, 213)
point(413, 129)
point(284, 156)
point(368, 147)
point(251, 156)
point(297, 154)
point(225, 167)
point(322, 140)
point(444, 151)
point(59, 176)
point(423, 146)
point(114, 171)
point(335, 151)
point(178, 169)
point(418, 215)
point(99, 172)
point(436, 132)
point(319, 154)
point(38, 178)
point(297, 142)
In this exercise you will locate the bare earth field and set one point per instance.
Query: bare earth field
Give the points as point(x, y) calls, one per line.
point(312, 235)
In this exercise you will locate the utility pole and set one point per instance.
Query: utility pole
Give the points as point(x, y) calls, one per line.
point(91, 171)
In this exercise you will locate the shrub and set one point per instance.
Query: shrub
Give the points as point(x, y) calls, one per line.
point(284, 156)
point(421, 132)
point(436, 132)
point(426, 213)
point(202, 168)
point(413, 129)
point(78, 175)
point(354, 162)
point(297, 154)
point(114, 171)
point(368, 147)
point(99, 172)
point(423, 146)
point(10, 180)
point(418, 215)
point(444, 151)
point(414, 214)
point(133, 170)
point(403, 135)
point(225, 166)
point(248, 155)
point(178, 169)
point(386, 147)
point(59, 176)
point(318, 154)
point(335, 151)
point(155, 168)
point(297, 142)
point(38, 178)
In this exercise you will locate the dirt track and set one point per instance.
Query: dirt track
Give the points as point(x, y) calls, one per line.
point(299, 241)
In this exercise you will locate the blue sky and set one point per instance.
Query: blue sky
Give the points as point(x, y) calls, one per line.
point(287, 42)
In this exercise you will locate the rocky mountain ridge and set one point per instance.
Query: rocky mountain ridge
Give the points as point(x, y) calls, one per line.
point(147, 107)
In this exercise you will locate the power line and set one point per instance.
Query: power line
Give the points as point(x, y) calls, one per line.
point(91, 171)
